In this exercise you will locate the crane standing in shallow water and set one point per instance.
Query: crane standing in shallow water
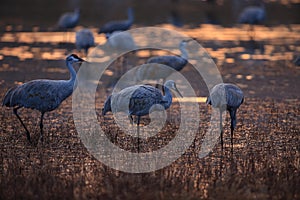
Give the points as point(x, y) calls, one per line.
point(69, 19)
point(84, 40)
point(42, 95)
point(252, 15)
point(121, 25)
point(137, 100)
point(226, 96)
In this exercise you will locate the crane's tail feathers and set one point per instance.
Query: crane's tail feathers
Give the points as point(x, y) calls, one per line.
point(208, 101)
point(7, 98)
point(103, 112)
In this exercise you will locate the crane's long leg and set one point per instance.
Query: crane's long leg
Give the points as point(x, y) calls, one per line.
point(232, 139)
point(221, 129)
point(27, 132)
point(162, 86)
point(130, 119)
point(41, 127)
point(251, 32)
point(233, 121)
point(232, 129)
point(232, 136)
point(138, 131)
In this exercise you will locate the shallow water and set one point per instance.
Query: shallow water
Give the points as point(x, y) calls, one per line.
point(213, 24)
point(225, 45)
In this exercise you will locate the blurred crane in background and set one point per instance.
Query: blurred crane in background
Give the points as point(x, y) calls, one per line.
point(121, 40)
point(175, 62)
point(84, 40)
point(69, 20)
point(121, 25)
point(253, 15)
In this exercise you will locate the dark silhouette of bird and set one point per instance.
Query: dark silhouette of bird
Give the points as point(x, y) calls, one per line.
point(252, 15)
point(226, 96)
point(297, 61)
point(121, 25)
point(121, 40)
point(175, 19)
point(84, 40)
point(69, 20)
point(137, 100)
point(175, 62)
point(42, 95)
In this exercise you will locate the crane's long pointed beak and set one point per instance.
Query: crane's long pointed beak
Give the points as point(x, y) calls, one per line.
point(83, 61)
point(191, 39)
point(178, 92)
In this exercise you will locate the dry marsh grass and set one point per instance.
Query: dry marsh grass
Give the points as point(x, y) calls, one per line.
point(265, 163)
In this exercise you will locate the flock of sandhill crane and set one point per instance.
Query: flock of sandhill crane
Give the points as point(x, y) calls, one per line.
point(46, 95)
point(84, 38)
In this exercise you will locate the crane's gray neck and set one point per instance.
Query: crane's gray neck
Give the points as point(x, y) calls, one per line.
point(130, 15)
point(167, 98)
point(107, 105)
point(72, 71)
point(183, 51)
point(76, 14)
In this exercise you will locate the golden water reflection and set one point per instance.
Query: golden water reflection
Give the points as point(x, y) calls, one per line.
point(229, 44)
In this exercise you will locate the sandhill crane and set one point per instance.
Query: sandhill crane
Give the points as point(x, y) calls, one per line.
point(137, 100)
point(175, 19)
point(175, 62)
point(121, 40)
point(42, 95)
point(121, 25)
point(297, 61)
point(84, 40)
point(226, 96)
point(252, 15)
point(69, 19)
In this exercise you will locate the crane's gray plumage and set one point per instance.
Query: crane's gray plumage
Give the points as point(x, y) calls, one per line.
point(121, 25)
point(84, 40)
point(252, 15)
point(42, 95)
point(175, 62)
point(226, 96)
point(121, 40)
point(69, 19)
point(297, 61)
point(175, 19)
point(137, 100)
